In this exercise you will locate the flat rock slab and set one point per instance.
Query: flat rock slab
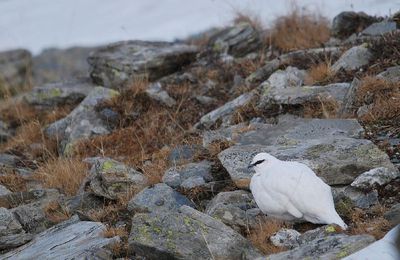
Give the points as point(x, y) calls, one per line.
point(83, 122)
point(60, 93)
point(11, 232)
point(327, 146)
point(187, 234)
point(353, 59)
point(68, 240)
point(118, 64)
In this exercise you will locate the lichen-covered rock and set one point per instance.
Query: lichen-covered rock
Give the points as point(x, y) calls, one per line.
point(237, 40)
point(285, 238)
point(188, 176)
point(117, 65)
point(11, 233)
point(72, 239)
point(156, 92)
point(377, 176)
point(224, 113)
point(347, 23)
point(83, 122)
point(347, 197)
point(58, 94)
point(331, 247)
point(15, 72)
point(187, 234)
point(109, 179)
point(159, 197)
point(236, 209)
point(327, 146)
point(353, 59)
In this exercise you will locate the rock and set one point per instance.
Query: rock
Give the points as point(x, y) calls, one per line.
point(83, 122)
point(379, 176)
point(4, 132)
point(285, 238)
point(189, 175)
point(58, 94)
point(185, 153)
point(386, 248)
point(187, 234)
point(290, 77)
point(118, 64)
point(159, 197)
point(156, 92)
point(236, 209)
point(39, 196)
point(357, 198)
point(378, 29)
point(332, 247)
point(54, 65)
point(328, 146)
point(350, 106)
point(391, 74)
point(264, 72)
point(109, 179)
point(237, 40)
point(353, 59)
point(15, 72)
point(4, 191)
point(72, 239)
point(393, 214)
point(9, 160)
point(222, 134)
point(32, 219)
point(11, 233)
point(347, 23)
point(84, 202)
point(225, 112)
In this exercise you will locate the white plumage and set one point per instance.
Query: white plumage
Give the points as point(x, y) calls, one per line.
point(291, 190)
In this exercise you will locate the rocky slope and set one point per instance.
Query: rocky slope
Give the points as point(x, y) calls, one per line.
point(144, 156)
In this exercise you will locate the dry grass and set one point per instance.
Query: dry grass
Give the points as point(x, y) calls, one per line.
point(259, 236)
point(371, 222)
point(62, 173)
point(120, 249)
point(13, 181)
point(319, 73)
point(299, 29)
point(325, 108)
point(248, 17)
point(383, 97)
point(56, 213)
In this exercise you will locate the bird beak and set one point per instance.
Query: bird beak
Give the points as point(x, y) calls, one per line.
point(250, 166)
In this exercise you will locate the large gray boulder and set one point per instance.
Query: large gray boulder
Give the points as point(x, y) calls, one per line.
point(60, 93)
point(72, 239)
point(15, 71)
point(159, 197)
point(378, 29)
point(83, 122)
point(187, 234)
point(347, 23)
point(11, 232)
point(109, 179)
point(327, 146)
point(117, 65)
point(353, 59)
point(237, 40)
point(236, 209)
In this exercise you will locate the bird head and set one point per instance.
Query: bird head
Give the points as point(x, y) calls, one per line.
point(260, 160)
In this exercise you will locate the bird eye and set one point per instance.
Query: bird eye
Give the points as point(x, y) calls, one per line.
point(258, 162)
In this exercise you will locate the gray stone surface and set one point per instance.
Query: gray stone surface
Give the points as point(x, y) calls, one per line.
point(38, 196)
point(4, 190)
point(15, 72)
point(332, 247)
point(358, 198)
point(377, 29)
point(225, 112)
point(32, 218)
point(187, 234)
point(109, 179)
point(82, 122)
point(328, 146)
point(188, 176)
point(156, 92)
point(159, 197)
point(353, 59)
point(68, 240)
point(222, 134)
point(60, 93)
point(347, 23)
point(11, 233)
point(116, 65)
point(287, 238)
point(391, 74)
point(377, 176)
point(185, 152)
point(393, 214)
point(236, 209)
point(237, 40)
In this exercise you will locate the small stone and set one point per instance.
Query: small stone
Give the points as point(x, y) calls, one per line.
point(285, 238)
point(377, 176)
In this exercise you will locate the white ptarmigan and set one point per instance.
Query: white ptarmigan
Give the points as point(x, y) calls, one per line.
point(291, 190)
